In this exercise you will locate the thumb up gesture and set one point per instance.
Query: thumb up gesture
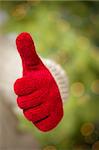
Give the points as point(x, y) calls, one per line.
point(37, 91)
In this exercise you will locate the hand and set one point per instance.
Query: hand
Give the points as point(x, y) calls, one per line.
point(38, 93)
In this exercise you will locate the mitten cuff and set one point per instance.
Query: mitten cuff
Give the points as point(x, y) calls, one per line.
point(60, 77)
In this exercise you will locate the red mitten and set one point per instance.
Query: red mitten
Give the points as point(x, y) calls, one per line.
point(38, 93)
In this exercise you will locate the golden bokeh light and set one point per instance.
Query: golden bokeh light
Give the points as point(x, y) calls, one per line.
point(20, 11)
point(50, 147)
point(87, 129)
point(77, 89)
point(95, 146)
point(95, 87)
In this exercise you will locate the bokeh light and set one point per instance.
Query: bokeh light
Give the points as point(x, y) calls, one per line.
point(77, 89)
point(95, 87)
point(87, 129)
point(19, 12)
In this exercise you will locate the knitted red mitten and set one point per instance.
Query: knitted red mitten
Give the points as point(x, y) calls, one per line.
point(38, 93)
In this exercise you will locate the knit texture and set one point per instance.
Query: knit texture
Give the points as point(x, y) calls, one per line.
point(38, 93)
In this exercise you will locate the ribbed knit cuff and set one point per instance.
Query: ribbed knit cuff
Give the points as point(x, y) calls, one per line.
point(60, 77)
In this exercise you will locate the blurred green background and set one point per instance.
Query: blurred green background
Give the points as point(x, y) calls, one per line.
point(67, 32)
